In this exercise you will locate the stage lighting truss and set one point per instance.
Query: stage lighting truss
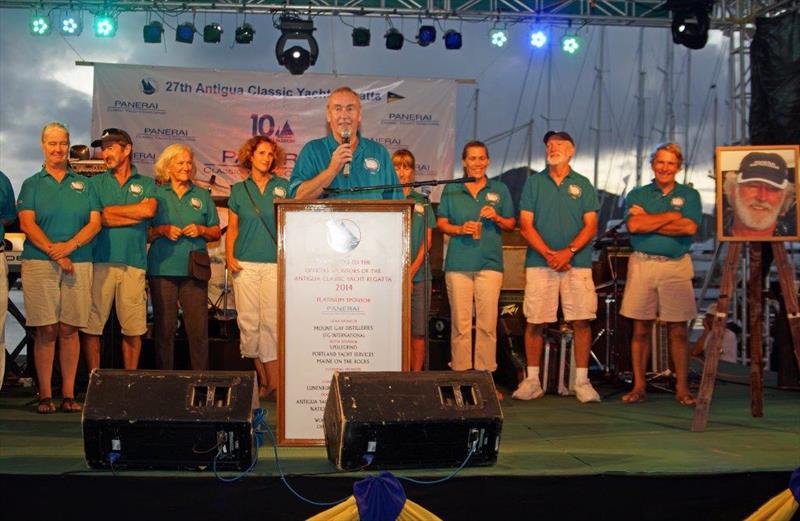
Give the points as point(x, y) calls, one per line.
point(71, 24)
point(690, 22)
point(39, 25)
point(296, 58)
point(151, 32)
point(361, 37)
point(426, 35)
point(538, 38)
point(394, 39)
point(185, 33)
point(105, 25)
point(452, 40)
point(571, 43)
point(244, 33)
point(212, 33)
point(498, 37)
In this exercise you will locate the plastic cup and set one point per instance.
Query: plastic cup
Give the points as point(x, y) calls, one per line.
point(476, 234)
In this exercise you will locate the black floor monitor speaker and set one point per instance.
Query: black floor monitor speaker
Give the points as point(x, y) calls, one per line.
point(170, 419)
point(412, 420)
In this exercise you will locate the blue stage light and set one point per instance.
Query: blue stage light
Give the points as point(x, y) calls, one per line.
point(570, 44)
point(71, 25)
point(185, 33)
point(151, 33)
point(105, 26)
point(452, 40)
point(538, 39)
point(426, 35)
point(39, 25)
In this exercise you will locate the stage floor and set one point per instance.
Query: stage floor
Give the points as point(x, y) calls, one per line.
point(552, 436)
point(559, 459)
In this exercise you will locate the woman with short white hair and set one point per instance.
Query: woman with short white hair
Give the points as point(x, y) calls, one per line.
point(178, 265)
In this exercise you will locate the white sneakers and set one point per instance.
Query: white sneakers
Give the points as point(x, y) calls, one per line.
point(529, 389)
point(586, 393)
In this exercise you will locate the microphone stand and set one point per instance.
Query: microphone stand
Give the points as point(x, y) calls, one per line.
point(426, 261)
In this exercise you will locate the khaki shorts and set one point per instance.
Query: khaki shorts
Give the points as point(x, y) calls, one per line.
point(544, 287)
point(125, 286)
point(52, 296)
point(659, 288)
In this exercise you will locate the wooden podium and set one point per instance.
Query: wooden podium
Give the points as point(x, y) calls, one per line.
point(344, 289)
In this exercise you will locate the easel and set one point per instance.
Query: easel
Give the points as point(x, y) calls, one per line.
point(755, 314)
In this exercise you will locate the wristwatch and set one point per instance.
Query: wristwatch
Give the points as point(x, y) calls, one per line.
point(573, 250)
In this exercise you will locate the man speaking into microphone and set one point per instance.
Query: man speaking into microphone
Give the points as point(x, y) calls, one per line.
point(344, 159)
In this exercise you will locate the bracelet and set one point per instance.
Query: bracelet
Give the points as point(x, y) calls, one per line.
point(78, 243)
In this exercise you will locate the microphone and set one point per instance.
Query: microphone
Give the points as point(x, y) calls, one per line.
point(346, 141)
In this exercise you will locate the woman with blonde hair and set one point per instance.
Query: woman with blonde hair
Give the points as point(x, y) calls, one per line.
point(178, 266)
point(251, 255)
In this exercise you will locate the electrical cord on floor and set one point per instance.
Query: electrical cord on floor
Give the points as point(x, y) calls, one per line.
point(278, 465)
point(442, 480)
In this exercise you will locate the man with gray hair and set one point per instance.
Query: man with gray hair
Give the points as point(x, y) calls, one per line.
point(760, 195)
point(344, 159)
point(662, 217)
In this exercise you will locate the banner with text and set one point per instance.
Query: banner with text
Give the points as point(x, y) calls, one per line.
point(215, 111)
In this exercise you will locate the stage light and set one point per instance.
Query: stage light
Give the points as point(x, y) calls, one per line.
point(105, 26)
point(39, 25)
point(426, 35)
point(570, 44)
point(151, 33)
point(244, 33)
point(296, 59)
point(71, 25)
point(498, 37)
point(394, 39)
point(361, 37)
point(538, 39)
point(212, 33)
point(185, 33)
point(452, 40)
point(690, 22)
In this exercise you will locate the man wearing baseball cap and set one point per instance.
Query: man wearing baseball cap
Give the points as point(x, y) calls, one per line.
point(759, 194)
point(120, 258)
point(558, 219)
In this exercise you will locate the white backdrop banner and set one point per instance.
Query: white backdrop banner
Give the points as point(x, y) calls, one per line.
point(215, 111)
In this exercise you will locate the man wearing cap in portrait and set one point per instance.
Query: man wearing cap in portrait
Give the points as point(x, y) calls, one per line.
point(760, 195)
point(558, 219)
point(120, 257)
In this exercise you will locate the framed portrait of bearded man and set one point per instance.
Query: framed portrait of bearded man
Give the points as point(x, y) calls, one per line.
point(757, 193)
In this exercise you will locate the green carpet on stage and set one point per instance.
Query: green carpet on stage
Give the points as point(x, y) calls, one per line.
point(553, 436)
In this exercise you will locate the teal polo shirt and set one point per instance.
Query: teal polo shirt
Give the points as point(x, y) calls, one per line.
point(62, 209)
point(254, 243)
point(371, 166)
point(681, 198)
point(8, 211)
point(171, 258)
point(558, 213)
point(422, 219)
point(458, 206)
point(122, 244)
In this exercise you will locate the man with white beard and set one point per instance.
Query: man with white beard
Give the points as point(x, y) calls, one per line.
point(759, 194)
point(558, 219)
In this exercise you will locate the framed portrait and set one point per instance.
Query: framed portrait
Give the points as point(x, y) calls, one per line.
point(757, 193)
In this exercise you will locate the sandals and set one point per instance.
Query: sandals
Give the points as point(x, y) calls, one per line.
point(46, 406)
point(70, 405)
point(686, 399)
point(634, 397)
point(267, 393)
